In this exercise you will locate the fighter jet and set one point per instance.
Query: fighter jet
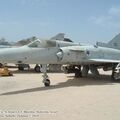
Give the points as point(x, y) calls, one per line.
point(60, 52)
point(35, 52)
point(60, 41)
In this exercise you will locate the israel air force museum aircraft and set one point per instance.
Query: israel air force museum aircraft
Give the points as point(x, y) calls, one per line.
point(60, 52)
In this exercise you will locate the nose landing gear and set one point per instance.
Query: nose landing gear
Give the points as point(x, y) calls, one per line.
point(46, 80)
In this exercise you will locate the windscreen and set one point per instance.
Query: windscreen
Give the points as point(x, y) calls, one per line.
point(42, 44)
point(35, 44)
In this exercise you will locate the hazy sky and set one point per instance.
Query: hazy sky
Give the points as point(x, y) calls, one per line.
point(85, 21)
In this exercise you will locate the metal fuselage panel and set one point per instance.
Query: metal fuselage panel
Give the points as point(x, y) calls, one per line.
point(28, 55)
point(104, 53)
point(90, 52)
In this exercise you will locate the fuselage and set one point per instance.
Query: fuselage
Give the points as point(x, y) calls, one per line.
point(69, 55)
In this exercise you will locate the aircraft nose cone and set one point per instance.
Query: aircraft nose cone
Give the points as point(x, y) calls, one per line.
point(59, 55)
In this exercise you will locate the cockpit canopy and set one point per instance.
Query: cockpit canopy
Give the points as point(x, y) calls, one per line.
point(35, 44)
point(42, 44)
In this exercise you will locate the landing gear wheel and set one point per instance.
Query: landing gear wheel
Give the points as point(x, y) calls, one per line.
point(21, 68)
point(78, 73)
point(37, 68)
point(115, 77)
point(47, 82)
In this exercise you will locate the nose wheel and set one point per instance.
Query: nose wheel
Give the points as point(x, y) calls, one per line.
point(47, 83)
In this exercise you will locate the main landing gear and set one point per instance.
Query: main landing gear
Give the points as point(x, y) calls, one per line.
point(46, 80)
point(115, 73)
point(78, 72)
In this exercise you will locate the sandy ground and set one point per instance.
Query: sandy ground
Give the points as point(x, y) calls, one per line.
point(24, 97)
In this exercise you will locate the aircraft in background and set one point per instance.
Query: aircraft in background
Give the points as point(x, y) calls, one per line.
point(60, 52)
point(4, 46)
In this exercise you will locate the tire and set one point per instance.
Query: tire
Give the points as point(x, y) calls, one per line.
point(37, 69)
point(77, 73)
point(114, 77)
point(47, 83)
point(21, 68)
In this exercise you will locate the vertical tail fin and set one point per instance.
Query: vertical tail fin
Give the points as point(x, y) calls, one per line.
point(59, 36)
point(114, 43)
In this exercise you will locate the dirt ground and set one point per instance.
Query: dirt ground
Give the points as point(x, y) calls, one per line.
point(24, 97)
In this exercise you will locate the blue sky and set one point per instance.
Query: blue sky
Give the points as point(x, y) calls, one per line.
point(85, 21)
